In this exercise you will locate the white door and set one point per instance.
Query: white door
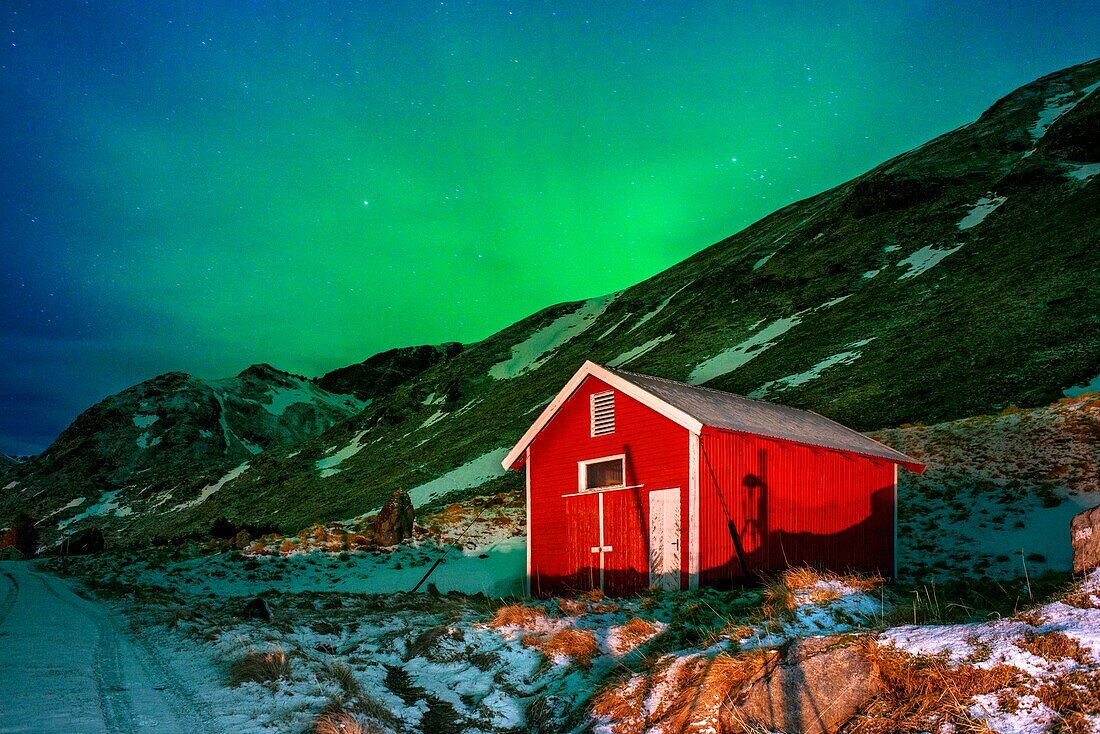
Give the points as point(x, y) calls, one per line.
point(664, 539)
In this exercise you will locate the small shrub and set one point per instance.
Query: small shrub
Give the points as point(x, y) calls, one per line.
point(260, 667)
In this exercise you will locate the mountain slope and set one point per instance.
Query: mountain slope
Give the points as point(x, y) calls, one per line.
point(380, 374)
point(157, 442)
point(950, 281)
point(7, 464)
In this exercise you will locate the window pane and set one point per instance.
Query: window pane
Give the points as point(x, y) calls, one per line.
point(605, 474)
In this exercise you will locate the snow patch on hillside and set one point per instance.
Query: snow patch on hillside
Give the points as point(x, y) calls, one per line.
point(328, 464)
point(227, 433)
point(1092, 385)
point(211, 489)
point(638, 351)
point(741, 354)
point(870, 274)
point(535, 350)
point(433, 419)
point(72, 504)
point(1083, 171)
point(923, 260)
point(980, 210)
point(660, 307)
point(617, 324)
point(1056, 106)
point(814, 372)
point(107, 504)
point(284, 397)
point(471, 474)
point(10, 485)
point(144, 421)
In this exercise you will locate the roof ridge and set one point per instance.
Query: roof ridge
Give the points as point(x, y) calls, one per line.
point(725, 394)
point(716, 391)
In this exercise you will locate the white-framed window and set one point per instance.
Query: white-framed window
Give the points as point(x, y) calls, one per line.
point(602, 406)
point(606, 472)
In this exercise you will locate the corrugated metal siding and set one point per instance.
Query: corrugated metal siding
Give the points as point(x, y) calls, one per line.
point(564, 529)
point(790, 505)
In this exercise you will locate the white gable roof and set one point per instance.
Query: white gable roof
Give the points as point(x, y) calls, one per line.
point(627, 388)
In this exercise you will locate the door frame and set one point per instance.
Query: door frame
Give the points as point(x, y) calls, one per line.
point(679, 537)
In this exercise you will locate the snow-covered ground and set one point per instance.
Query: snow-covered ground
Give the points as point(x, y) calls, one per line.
point(436, 661)
point(70, 665)
point(999, 491)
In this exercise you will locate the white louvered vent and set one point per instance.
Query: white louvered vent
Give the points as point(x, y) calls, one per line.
point(603, 413)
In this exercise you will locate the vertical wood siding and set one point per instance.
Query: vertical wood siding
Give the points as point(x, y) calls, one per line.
point(791, 504)
point(564, 529)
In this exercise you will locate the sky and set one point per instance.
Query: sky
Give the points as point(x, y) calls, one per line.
point(204, 186)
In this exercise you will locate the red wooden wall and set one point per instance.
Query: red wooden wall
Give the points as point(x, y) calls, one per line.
point(791, 504)
point(564, 529)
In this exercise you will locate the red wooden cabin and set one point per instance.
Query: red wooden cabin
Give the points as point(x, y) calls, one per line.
point(636, 481)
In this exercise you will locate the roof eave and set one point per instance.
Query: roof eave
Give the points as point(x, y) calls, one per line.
point(591, 369)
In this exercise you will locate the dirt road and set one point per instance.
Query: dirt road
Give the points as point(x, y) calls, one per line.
point(68, 665)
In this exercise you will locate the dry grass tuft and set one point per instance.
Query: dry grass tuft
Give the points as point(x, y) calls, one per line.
point(342, 675)
point(1033, 617)
point(593, 595)
point(1073, 695)
point(778, 600)
point(1082, 600)
point(1052, 646)
point(260, 667)
point(517, 615)
point(634, 633)
point(802, 578)
point(927, 693)
point(578, 645)
point(572, 607)
point(342, 722)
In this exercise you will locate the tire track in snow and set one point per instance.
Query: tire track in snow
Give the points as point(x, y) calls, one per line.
point(114, 700)
point(9, 599)
point(184, 703)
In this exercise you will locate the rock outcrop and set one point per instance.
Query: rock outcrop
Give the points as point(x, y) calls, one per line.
point(819, 685)
point(1085, 535)
point(395, 520)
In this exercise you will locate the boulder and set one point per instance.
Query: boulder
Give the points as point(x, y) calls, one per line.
point(819, 685)
point(83, 543)
point(1084, 533)
point(257, 609)
point(242, 540)
point(395, 520)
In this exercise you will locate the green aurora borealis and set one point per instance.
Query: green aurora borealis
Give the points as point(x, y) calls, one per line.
point(305, 184)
